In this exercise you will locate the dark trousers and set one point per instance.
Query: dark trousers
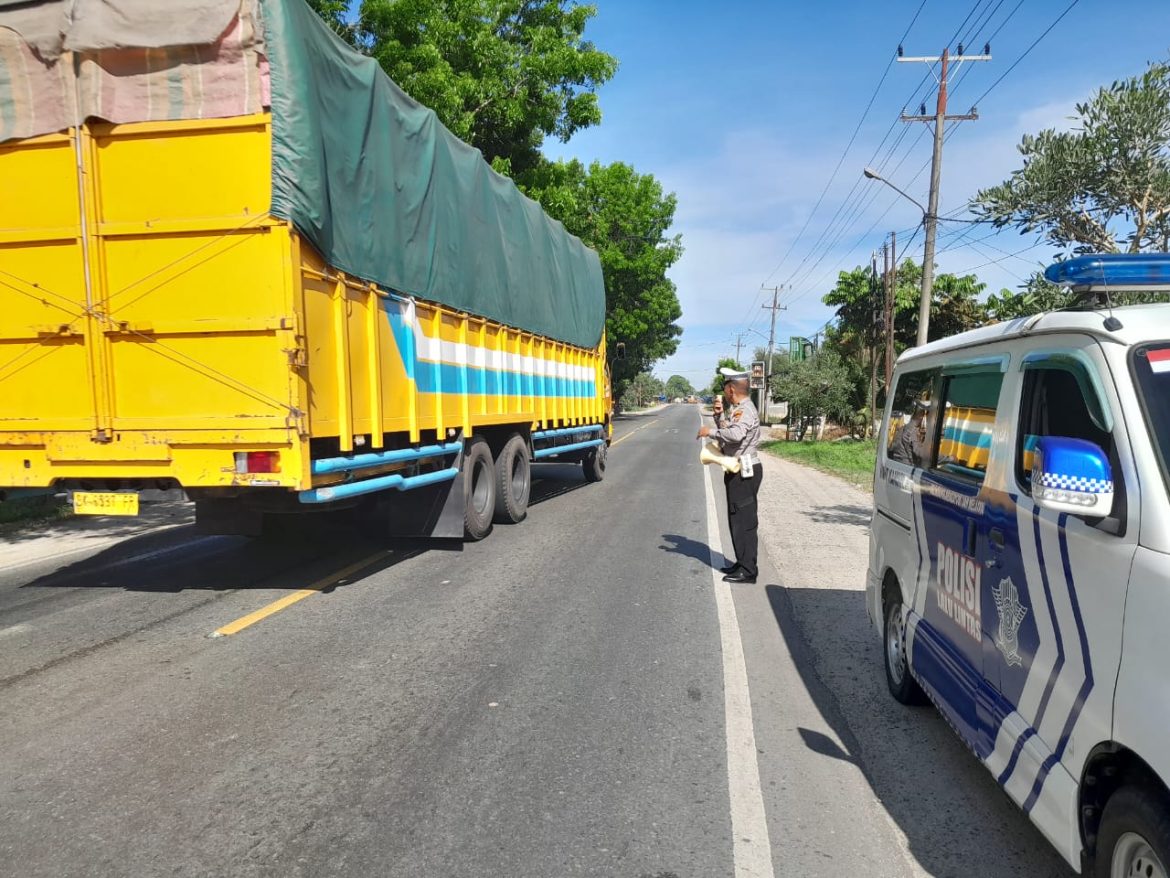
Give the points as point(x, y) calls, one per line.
point(743, 517)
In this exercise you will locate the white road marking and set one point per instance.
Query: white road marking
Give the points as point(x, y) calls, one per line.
point(15, 629)
point(751, 846)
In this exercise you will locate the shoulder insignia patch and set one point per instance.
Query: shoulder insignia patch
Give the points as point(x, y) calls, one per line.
point(737, 416)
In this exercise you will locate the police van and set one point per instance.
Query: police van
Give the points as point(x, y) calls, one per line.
point(1019, 570)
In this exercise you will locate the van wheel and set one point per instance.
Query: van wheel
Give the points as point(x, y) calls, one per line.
point(481, 490)
point(594, 462)
point(1135, 836)
point(513, 481)
point(903, 686)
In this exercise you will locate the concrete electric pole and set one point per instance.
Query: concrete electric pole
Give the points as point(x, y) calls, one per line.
point(930, 218)
point(766, 394)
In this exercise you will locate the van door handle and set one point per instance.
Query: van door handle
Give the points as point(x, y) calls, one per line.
point(996, 537)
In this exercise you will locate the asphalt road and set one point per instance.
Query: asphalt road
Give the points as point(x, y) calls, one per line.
point(553, 701)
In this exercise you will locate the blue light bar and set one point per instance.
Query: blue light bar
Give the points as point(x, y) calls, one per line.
point(1113, 271)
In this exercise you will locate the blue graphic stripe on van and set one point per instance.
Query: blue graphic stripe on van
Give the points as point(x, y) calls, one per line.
point(480, 381)
point(1016, 750)
point(971, 438)
point(1058, 665)
point(1086, 685)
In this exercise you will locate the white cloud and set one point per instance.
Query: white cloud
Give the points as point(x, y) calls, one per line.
point(741, 207)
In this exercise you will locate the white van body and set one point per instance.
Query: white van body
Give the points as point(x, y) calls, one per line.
point(1043, 637)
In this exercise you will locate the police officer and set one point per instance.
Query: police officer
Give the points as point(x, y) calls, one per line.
point(737, 430)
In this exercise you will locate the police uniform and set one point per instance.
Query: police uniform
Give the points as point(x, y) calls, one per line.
point(737, 430)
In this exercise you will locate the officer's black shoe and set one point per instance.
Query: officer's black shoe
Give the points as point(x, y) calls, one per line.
point(730, 568)
point(739, 576)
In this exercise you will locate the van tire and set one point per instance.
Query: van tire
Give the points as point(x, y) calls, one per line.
point(1136, 820)
point(480, 487)
point(593, 462)
point(902, 684)
point(513, 481)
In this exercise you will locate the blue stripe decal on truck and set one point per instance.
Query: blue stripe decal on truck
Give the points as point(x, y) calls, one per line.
point(480, 381)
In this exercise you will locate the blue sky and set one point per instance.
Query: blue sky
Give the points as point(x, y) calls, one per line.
point(743, 109)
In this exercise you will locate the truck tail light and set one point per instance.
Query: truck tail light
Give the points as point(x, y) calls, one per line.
point(257, 461)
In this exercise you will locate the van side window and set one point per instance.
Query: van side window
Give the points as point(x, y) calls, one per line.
point(969, 402)
point(907, 436)
point(1053, 403)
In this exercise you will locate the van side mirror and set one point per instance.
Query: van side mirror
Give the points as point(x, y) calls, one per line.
point(1072, 475)
point(619, 350)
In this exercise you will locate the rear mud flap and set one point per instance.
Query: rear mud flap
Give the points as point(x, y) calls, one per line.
point(434, 512)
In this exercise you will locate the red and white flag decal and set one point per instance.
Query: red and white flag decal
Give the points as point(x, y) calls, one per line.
point(1159, 360)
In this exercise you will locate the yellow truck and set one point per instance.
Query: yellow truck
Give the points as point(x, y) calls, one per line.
point(236, 259)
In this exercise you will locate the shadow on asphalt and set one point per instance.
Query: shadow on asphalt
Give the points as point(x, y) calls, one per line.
point(685, 546)
point(551, 480)
point(956, 819)
point(153, 514)
point(306, 549)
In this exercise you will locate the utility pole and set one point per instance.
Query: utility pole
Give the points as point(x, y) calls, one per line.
point(738, 344)
point(873, 337)
point(888, 286)
point(930, 219)
point(766, 393)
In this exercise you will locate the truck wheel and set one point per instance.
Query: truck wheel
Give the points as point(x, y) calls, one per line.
point(903, 686)
point(480, 477)
point(594, 462)
point(513, 481)
point(1135, 835)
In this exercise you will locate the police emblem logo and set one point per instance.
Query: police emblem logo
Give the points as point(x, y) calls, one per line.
point(737, 416)
point(1011, 616)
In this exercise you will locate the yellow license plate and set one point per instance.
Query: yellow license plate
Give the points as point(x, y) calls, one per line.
point(92, 503)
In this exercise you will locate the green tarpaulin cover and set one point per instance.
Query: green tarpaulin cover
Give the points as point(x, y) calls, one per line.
point(388, 194)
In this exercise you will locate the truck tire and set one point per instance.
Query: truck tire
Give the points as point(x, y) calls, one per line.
point(480, 478)
point(903, 686)
point(593, 462)
point(1135, 834)
point(513, 481)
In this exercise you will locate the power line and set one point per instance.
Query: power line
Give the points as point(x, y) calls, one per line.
point(848, 146)
point(1027, 51)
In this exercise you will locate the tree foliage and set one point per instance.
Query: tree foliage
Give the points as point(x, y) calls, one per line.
point(1102, 187)
point(725, 363)
point(641, 391)
point(501, 74)
point(955, 307)
point(678, 386)
point(624, 216)
point(820, 386)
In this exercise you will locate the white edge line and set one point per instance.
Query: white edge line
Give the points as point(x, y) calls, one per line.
point(751, 846)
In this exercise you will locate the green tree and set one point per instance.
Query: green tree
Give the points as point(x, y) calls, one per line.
point(678, 386)
point(725, 363)
point(501, 74)
point(1033, 297)
point(1103, 186)
point(624, 216)
point(820, 386)
point(641, 391)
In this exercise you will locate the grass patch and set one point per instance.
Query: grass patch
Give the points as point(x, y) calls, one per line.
point(25, 511)
point(852, 461)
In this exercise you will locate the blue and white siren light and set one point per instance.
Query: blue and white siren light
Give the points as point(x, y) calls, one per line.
point(1072, 475)
point(1113, 271)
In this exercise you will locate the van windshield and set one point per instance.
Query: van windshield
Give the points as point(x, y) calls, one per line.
point(1151, 367)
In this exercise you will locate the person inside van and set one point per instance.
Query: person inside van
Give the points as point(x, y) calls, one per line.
point(909, 444)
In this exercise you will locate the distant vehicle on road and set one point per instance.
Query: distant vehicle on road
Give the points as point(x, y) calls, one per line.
point(322, 301)
point(1020, 558)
